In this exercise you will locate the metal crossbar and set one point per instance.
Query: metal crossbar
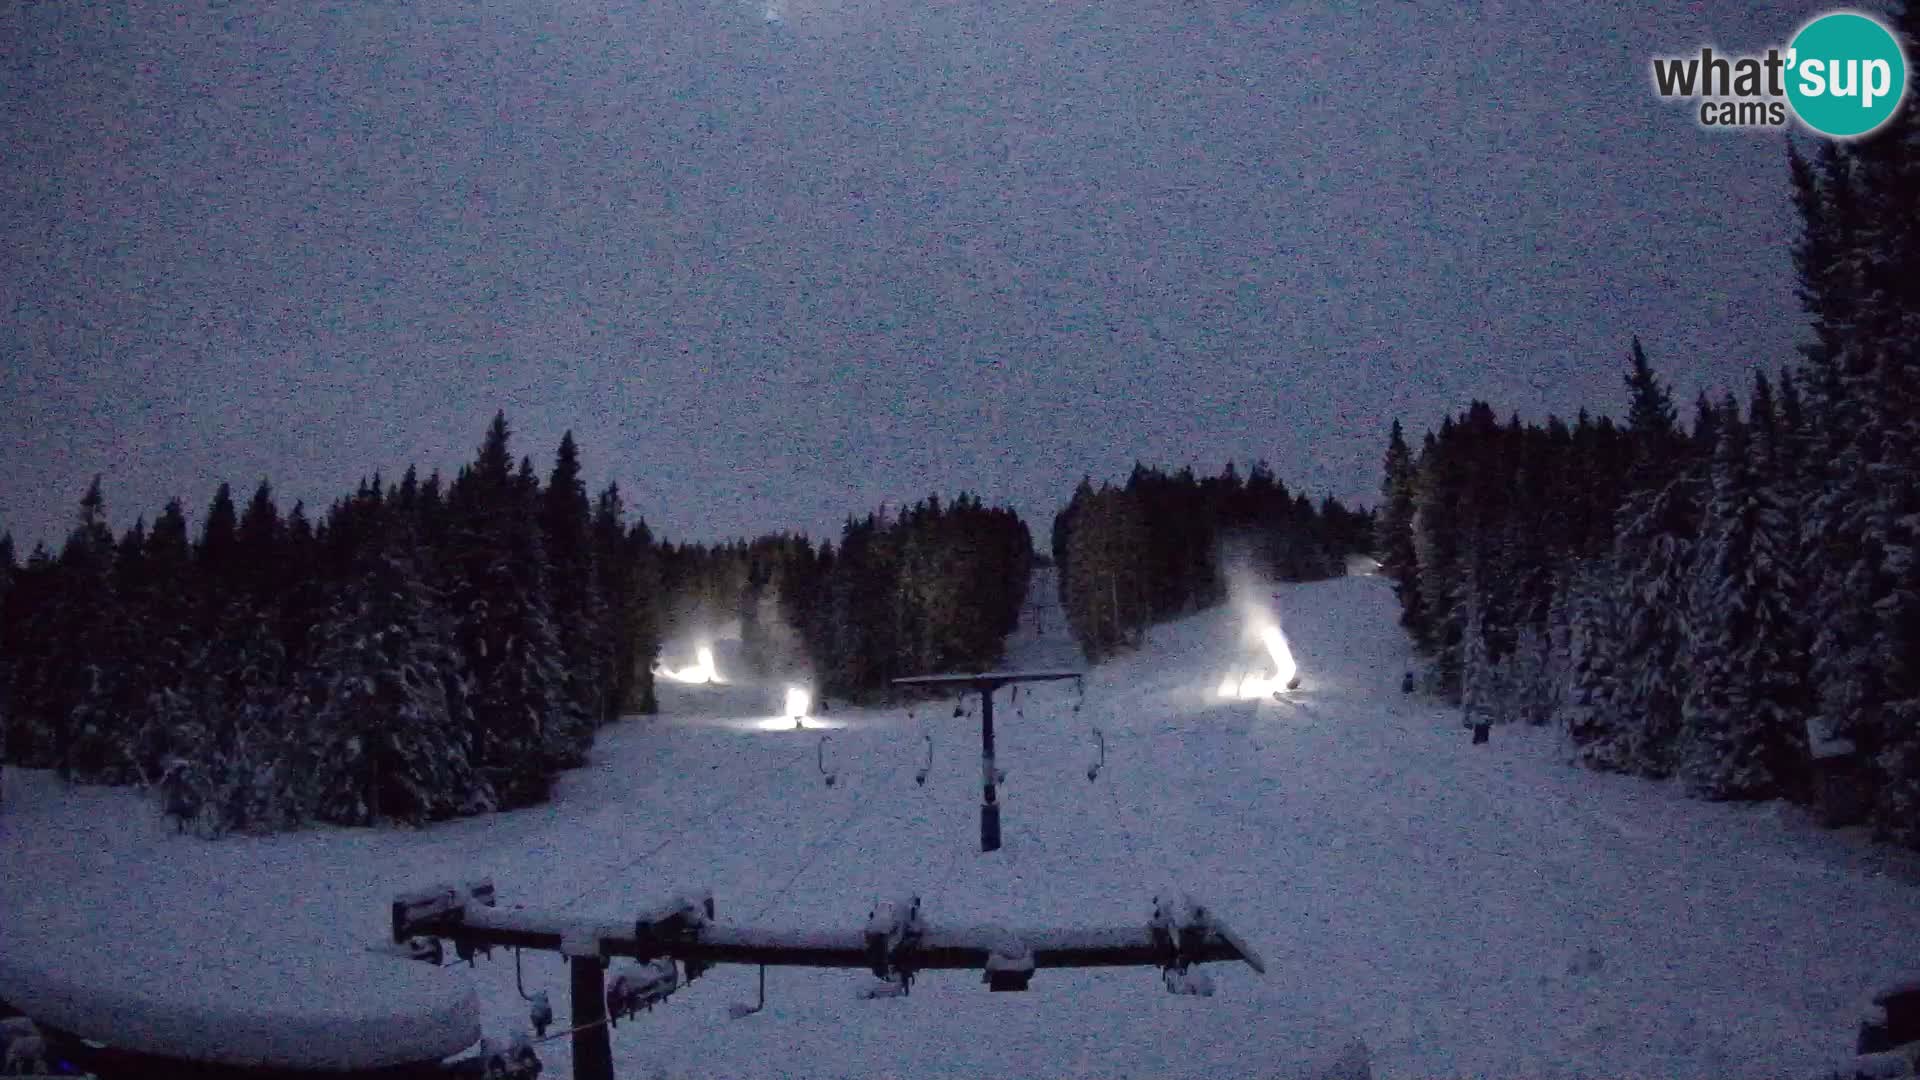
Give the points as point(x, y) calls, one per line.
point(895, 945)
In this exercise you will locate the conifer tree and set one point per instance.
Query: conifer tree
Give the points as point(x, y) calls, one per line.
point(1742, 724)
point(79, 714)
point(1588, 706)
point(1395, 541)
point(524, 727)
point(172, 639)
point(260, 567)
point(389, 735)
point(1652, 425)
point(578, 607)
point(219, 538)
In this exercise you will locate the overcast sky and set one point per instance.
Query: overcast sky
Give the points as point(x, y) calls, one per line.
point(775, 264)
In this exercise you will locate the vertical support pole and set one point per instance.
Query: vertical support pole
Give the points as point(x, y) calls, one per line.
point(990, 805)
point(592, 1046)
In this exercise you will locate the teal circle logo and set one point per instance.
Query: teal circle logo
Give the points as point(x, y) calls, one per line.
point(1846, 75)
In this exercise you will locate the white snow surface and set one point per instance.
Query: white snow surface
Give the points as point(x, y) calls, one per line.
point(219, 984)
point(1425, 907)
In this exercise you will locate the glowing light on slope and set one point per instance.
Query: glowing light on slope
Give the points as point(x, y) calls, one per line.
point(1284, 669)
point(1252, 686)
point(702, 670)
point(798, 702)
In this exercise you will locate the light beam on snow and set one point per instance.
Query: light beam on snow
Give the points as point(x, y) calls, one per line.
point(701, 672)
point(1252, 685)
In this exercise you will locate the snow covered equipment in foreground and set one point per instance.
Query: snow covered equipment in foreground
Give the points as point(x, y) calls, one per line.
point(638, 987)
point(1009, 965)
point(893, 935)
point(896, 944)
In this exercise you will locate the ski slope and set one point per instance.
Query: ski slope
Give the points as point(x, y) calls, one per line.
point(1460, 910)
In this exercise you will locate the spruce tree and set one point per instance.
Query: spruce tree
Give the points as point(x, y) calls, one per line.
point(260, 566)
point(524, 729)
point(1480, 689)
point(79, 715)
point(1588, 702)
point(1742, 720)
point(1394, 543)
point(578, 607)
point(1652, 425)
point(172, 639)
point(1653, 555)
point(219, 539)
point(389, 737)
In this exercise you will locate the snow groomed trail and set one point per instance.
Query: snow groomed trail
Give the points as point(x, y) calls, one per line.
point(1464, 910)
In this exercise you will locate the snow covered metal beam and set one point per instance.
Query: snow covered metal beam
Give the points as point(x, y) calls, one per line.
point(1180, 933)
point(994, 678)
point(938, 950)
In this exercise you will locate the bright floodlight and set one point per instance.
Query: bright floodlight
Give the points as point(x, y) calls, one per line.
point(798, 702)
point(1283, 665)
point(1253, 686)
point(701, 672)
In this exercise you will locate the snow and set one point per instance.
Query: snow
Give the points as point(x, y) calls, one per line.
point(1424, 907)
point(141, 979)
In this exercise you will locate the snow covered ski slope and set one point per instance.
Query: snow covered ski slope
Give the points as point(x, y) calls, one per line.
point(1463, 910)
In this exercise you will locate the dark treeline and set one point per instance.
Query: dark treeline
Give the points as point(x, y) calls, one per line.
point(1687, 598)
point(424, 652)
point(936, 588)
point(1158, 548)
point(419, 653)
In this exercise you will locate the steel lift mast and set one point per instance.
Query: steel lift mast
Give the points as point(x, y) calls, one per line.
point(986, 683)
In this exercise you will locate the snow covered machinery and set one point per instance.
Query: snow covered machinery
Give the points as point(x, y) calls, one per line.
point(896, 944)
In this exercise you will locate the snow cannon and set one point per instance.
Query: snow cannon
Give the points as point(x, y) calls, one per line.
point(798, 703)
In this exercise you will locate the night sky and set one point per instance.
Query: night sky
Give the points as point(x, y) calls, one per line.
point(777, 264)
